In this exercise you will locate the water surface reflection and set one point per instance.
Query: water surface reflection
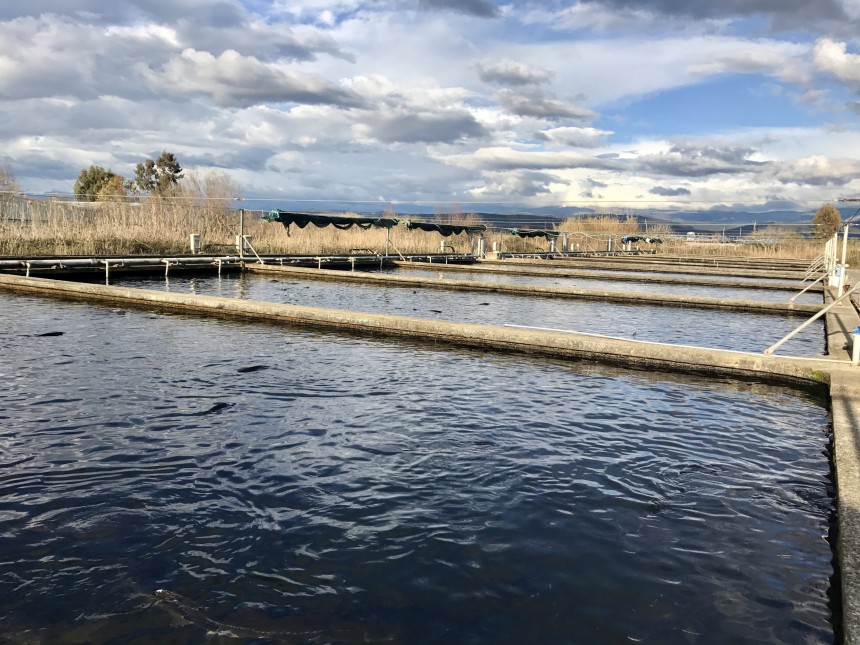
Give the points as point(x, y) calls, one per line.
point(303, 487)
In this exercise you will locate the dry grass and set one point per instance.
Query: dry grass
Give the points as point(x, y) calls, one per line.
point(162, 226)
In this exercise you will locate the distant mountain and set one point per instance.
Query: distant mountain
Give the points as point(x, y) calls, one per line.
point(506, 215)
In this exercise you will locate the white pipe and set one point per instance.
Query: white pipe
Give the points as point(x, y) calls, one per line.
point(773, 347)
point(810, 285)
point(855, 347)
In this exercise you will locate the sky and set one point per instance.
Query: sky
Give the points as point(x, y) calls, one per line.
point(674, 104)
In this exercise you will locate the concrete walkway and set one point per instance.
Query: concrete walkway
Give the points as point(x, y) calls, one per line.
point(845, 407)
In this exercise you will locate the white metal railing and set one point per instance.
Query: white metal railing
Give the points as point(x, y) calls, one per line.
point(817, 266)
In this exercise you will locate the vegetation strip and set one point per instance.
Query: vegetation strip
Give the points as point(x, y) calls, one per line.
point(696, 302)
point(801, 372)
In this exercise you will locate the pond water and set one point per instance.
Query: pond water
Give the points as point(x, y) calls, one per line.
point(282, 485)
point(744, 293)
point(700, 327)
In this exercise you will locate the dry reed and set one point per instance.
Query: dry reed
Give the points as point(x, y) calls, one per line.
point(161, 226)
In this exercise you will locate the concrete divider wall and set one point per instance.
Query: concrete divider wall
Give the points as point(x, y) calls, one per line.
point(620, 265)
point(625, 297)
point(793, 371)
point(550, 271)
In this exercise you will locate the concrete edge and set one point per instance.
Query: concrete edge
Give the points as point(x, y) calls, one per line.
point(624, 297)
point(644, 277)
point(615, 264)
point(845, 411)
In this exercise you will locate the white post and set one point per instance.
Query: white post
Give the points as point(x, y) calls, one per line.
point(844, 244)
point(241, 241)
point(855, 347)
point(830, 252)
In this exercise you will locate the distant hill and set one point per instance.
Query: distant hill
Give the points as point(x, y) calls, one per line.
point(714, 220)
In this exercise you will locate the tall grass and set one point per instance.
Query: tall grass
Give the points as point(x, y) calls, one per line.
point(161, 226)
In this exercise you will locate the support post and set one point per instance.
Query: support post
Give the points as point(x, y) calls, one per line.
point(241, 233)
point(855, 347)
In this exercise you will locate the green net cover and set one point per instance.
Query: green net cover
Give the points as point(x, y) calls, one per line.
point(341, 222)
point(522, 232)
point(446, 230)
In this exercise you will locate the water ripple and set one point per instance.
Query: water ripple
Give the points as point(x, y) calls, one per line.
point(355, 491)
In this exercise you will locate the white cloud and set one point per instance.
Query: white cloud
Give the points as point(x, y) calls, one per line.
point(363, 97)
point(831, 56)
point(575, 137)
point(235, 80)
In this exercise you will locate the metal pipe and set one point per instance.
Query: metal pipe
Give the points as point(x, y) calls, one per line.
point(808, 287)
point(97, 262)
point(855, 347)
point(241, 233)
point(773, 347)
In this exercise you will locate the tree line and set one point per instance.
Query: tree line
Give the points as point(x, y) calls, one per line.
point(151, 177)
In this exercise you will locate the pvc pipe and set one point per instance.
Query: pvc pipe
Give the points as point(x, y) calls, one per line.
point(773, 347)
point(855, 347)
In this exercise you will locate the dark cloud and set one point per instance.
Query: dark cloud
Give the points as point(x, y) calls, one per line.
point(439, 127)
point(41, 166)
point(479, 8)
point(233, 80)
point(253, 158)
point(264, 42)
point(668, 192)
point(542, 107)
point(817, 171)
point(688, 160)
point(510, 73)
point(214, 13)
point(783, 14)
point(525, 183)
point(574, 137)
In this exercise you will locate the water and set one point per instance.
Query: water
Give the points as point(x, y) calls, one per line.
point(745, 293)
point(700, 327)
point(282, 485)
